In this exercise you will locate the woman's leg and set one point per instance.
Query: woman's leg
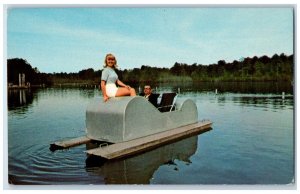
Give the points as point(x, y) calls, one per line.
point(122, 91)
point(132, 92)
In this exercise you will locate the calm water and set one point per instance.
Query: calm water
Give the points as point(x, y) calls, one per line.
point(251, 142)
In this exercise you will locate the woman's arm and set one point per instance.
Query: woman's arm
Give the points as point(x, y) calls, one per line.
point(103, 88)
point(120, 83)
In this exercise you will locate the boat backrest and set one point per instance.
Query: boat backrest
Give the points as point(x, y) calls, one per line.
point(125, 118)
point(155, 99)
point(167, 102)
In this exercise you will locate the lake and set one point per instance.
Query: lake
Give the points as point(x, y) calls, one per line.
point(251, 142)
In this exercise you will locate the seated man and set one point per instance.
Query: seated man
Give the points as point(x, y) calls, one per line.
point(152, 98)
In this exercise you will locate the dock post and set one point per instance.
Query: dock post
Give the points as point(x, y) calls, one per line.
point(23, 79)
point(178, 90)
point(20, 80)
point(216, 91)
point(283, 95)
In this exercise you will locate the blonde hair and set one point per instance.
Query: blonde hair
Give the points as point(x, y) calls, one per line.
point(105, 60)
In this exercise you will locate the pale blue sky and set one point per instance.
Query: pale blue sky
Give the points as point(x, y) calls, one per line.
point(72, 39)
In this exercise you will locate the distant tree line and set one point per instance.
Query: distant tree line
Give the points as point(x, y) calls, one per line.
point(18, 66)
point(276, 68)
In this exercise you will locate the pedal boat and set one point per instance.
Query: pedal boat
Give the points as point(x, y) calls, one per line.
point(132, 124)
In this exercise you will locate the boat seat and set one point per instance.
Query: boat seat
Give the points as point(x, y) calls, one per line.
point(167, 103)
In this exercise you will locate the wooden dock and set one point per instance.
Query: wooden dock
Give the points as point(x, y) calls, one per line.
point(142, 144)
point(69, 143)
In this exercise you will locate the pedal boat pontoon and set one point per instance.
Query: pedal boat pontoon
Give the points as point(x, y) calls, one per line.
point(131, 124)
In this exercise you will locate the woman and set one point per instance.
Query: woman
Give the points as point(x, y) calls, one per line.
point(109, 79)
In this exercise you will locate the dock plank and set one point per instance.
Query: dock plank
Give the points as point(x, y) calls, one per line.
point(69, 143)
point(123, 149)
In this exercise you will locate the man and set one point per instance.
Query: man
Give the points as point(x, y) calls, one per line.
point(152, 98)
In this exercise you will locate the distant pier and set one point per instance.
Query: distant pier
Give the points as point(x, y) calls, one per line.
point(22, 83)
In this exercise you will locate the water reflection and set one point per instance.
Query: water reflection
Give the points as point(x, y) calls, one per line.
point(89, 93)
point(19, 98)
point(277, 102)
point(232, 87)
point(139, 169)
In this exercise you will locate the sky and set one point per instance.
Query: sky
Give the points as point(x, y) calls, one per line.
point(70, 39)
